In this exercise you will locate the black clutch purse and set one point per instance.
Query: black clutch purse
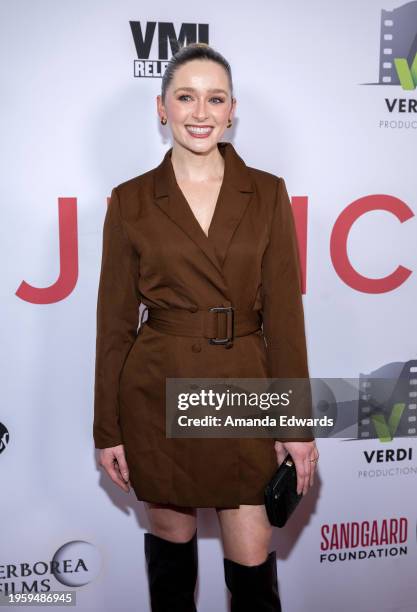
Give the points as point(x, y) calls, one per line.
point(280, 493)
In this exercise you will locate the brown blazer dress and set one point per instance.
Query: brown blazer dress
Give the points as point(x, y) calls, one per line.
point(155, 252)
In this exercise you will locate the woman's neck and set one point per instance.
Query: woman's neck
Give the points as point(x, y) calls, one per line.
point(197, 167)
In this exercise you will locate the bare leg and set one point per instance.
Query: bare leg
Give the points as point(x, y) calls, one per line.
point(250, 570)
point(172, 523)
point(246, 533)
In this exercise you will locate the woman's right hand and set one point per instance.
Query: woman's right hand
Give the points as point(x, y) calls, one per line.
point(113, 460)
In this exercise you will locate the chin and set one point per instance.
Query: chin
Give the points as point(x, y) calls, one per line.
point(198, 145)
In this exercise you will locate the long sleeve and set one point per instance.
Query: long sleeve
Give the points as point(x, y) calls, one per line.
point(282, 307)
point(117, 322)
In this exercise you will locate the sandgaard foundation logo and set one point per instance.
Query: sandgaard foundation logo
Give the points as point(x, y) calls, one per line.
point(371, 539)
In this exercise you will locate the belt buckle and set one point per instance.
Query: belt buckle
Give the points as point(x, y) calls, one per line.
point(229, 324)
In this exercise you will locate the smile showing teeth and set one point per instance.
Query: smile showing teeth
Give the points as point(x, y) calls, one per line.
point(198, 130)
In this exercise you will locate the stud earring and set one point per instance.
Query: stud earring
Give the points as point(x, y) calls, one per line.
point(164, 120)
point(229, 124)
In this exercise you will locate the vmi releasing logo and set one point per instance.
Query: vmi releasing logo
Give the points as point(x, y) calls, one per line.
point(167, 39)
point(398, 47)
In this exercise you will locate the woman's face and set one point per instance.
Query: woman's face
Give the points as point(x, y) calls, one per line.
point(198, 105)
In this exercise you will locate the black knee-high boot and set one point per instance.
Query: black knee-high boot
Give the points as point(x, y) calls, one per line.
point(172, 573)
point(253, 588)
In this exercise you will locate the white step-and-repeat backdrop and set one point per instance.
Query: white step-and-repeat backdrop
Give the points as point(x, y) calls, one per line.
point(327, 99)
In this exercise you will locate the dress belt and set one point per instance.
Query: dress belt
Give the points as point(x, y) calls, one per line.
point(219, 324)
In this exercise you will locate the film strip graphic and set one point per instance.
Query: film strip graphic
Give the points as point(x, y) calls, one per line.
point(387, 407)
point(398, 40)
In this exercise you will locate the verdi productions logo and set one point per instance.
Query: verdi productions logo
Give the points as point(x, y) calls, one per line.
point(388, 408)
point(389, 412)
point(379, 406)
point(156, 41)
point(398, 65)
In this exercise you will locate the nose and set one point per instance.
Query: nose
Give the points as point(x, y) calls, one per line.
point(200, 111)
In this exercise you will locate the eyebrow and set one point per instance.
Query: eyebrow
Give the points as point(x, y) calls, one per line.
point(193, 89)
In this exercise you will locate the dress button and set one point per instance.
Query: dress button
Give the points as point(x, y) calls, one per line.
point(196, 348)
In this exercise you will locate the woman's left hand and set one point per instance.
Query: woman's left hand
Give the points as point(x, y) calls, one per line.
point(303, 454)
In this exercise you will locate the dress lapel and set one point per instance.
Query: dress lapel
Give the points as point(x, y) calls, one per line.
point(234, 196)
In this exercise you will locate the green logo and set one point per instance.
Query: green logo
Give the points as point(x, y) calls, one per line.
point(385, 431)
point(407, 74)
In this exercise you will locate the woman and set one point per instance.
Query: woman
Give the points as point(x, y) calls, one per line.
point(201, 230)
